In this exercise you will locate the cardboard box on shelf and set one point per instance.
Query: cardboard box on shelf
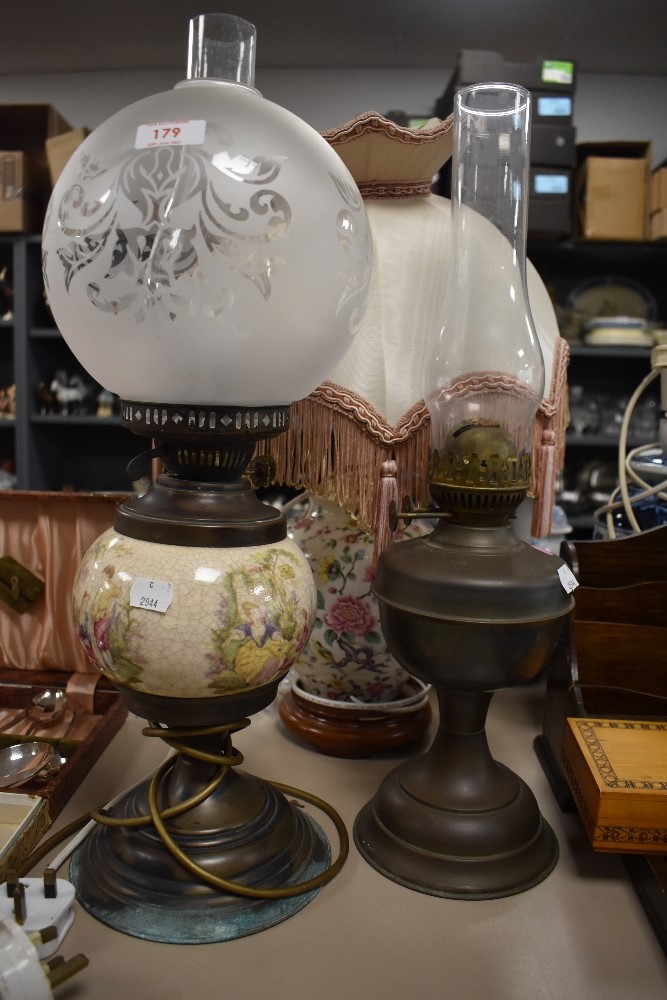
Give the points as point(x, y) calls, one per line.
point(25, 128)
point(658, 227)
point(18, 212)
point(59, 148)
point(659, 188)
point(612, 190)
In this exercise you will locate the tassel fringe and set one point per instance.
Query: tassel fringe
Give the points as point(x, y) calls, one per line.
point(548, 443)
point(338, 443)
point(387, 494)
point(336, 446)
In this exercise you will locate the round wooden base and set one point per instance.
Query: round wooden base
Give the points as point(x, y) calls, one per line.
point(341, 730)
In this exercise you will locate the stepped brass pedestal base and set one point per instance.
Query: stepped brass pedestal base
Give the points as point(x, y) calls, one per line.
point(456, 823)
point(246, 831)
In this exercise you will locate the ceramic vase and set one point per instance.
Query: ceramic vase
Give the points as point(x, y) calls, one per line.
point(346, 658)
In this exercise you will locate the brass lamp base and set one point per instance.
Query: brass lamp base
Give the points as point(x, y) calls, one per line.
point(454, 822)
point(246, 832)
point(263, 857)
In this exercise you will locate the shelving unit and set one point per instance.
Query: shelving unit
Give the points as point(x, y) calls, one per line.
point(611, 371)
point(615, 372)
point(565, 264)
point(50, 450)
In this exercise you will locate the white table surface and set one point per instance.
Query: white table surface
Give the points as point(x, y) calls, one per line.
point(581, 934)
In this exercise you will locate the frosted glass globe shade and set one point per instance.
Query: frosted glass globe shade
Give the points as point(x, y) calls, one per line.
point(205, 245)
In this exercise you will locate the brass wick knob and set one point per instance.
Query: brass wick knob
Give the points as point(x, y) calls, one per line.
point(410, 512)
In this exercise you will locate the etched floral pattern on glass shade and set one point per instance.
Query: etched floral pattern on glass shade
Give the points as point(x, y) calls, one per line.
point(346, 657)
point(239, 617)
point(244, 235)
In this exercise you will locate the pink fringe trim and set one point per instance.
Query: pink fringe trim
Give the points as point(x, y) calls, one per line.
point(548, 443)
point(338, 443)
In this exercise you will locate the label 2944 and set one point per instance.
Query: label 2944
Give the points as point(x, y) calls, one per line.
point(153, 595)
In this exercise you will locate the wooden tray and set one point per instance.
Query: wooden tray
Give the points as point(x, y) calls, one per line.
point(108, 714)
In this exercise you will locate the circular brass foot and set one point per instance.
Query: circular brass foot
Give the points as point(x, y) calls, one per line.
point(429, 839)
point(247, 831)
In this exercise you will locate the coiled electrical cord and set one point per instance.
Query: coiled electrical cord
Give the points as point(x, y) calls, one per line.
point(231, 757)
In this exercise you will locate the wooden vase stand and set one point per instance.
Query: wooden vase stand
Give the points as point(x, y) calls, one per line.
point(353, 729)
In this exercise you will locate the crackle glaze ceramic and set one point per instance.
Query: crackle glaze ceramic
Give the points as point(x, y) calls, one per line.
point(238, 617)
point(346, 657)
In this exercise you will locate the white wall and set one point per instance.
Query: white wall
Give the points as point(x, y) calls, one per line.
point(607, 107)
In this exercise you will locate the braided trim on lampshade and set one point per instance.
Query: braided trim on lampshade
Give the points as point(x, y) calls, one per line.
point(389, 160)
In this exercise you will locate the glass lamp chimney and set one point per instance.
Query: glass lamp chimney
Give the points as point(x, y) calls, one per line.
point(485, 378)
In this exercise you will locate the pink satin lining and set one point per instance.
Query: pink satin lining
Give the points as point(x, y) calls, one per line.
point(80, 691)
point(48, 533)
point(71, 725)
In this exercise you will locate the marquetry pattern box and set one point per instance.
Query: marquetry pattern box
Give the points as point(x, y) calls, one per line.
point(617, 770)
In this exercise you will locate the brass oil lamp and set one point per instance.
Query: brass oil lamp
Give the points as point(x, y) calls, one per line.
point(471, 608)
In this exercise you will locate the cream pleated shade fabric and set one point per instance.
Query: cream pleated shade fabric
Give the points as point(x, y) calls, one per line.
point(370, 409)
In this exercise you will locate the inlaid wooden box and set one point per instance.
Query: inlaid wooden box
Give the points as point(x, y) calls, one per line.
point(48, 534)
point(617, 770)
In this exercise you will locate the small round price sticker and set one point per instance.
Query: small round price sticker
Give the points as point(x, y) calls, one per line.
point(153, 595)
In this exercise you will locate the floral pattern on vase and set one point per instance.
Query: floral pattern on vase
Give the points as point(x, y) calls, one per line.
point(346, 657)
point(239, 617)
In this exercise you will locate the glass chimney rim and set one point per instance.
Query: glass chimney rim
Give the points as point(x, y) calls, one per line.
point(520, 104)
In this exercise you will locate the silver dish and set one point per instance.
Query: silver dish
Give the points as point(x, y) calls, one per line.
point(47, 706)
point(21, 762)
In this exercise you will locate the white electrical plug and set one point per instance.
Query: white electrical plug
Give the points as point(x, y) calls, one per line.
point(47, 904)
point(35, 916)
point(22, 974)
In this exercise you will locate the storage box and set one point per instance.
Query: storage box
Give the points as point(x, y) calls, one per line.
point(553, 75)
point(659, 189)
point(546, 76)
point(24, 819)
point(612, 190)
point(658, 225)
point(552, 108)
point(553, 145)
point(18, 213)
point(26, 127)
point(59, 149)
point(48, 534)
point(617, 770)
point(550, 204)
